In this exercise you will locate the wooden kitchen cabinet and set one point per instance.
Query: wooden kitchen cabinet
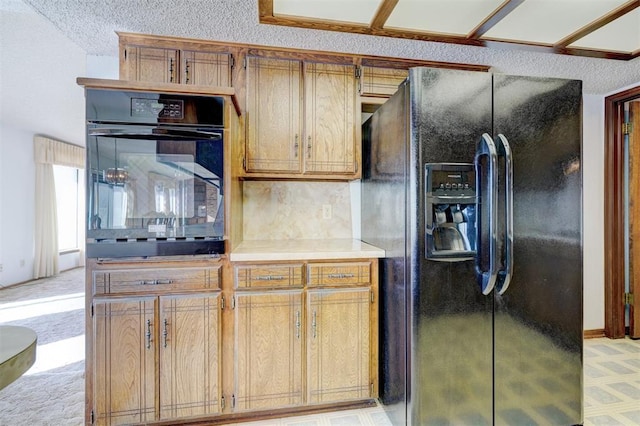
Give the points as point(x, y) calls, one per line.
point(289, 352)
point(302, 119)
point(268, 350)
point(338, 345)
point(341, 331)
point(183, 331)
point(170, 65)
point(381, 82)
point(190, 345)
point(154, 333)
point(124, 386)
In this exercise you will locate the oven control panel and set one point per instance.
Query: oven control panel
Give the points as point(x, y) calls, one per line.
point(157, 108)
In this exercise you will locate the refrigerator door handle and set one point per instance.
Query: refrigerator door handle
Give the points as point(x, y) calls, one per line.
point(504, 275)
point(487, 148)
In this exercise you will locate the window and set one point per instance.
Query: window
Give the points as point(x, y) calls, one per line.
point(68, 206)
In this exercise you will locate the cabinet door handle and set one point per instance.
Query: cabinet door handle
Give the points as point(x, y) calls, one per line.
point(298, 325)
point(341, 276)
point(153, 282)
point(186, 71)
point(165, 333)
point(148, 334)
point(171, 70)
point(269, 277)
point(314, 325)
point(295, 147)
point(309, 147)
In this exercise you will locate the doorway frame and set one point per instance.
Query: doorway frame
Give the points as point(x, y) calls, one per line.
point(614, 308)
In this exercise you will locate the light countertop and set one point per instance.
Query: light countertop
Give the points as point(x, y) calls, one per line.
point(259, 250)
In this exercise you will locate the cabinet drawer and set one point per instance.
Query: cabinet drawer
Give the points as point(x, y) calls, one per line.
point(338, 274)
point(145, 280)
point(264, 276)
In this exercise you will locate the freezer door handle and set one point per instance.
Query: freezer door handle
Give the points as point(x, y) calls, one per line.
point(486, 200)
point(504, 275)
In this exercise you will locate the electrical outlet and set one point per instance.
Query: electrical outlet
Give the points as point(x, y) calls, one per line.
point(326, 211)
point(22, 263)
point(0, 267)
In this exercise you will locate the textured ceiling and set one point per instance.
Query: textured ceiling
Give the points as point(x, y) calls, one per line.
point(92, 24)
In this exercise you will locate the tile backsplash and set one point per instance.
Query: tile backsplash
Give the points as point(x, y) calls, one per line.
point(297, 210)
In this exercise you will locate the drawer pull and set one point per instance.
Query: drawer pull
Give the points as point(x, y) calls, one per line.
point(269, 277)
point(298, 325)
point(165, 333)
point(148, 334)
point(154, 282)
point(339, 276)
point(314, 325)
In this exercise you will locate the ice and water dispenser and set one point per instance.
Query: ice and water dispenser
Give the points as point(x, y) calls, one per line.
point(450, 209)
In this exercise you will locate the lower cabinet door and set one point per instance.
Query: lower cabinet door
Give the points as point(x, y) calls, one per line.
point(189, 342)
point(338, 345)
point(268, 345)
point(124, 361)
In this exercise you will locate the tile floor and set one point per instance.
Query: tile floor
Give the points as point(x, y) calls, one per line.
point(612, 382)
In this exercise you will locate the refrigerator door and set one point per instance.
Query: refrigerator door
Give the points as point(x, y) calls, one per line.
point(538, 317)
point(384, 224)
point(450, 319)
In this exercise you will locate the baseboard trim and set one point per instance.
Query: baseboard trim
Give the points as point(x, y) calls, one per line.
point(594, 334)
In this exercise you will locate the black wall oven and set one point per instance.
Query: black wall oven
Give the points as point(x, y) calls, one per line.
point(155, 172)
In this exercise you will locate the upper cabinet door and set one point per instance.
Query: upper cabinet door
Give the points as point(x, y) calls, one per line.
point(273, 116)
point(152, 64)
point(330, 144)
point(206, 68)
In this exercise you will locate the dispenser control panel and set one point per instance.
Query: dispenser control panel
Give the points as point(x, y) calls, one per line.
point(450, 211)
point(452, 182)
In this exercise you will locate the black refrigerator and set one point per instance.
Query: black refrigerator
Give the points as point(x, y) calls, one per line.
point(472, 184)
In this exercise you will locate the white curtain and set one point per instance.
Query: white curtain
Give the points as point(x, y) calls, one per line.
point(47, 153)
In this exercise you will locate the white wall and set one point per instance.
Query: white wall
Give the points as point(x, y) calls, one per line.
point(593, 210)
point(39, 95)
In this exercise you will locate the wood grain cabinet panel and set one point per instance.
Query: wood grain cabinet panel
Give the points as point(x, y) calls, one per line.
point(189, 341)
point(302, 120)
point(172, 65)
point(268, 350)
point(205, 68)
point(152, 64)
point(338, 345)
point(163, 279)
point(124, 350)
point(156, 348)
point(338, 274)
point(330, 118)
point(274, 116)
point(272, 276)
point(382, 82)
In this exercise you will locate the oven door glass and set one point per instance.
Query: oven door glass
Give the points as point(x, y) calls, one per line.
point(146, 184)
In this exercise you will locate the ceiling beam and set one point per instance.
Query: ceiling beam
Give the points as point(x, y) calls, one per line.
point(383, 13)
point(598, 23)
point(490, 21)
